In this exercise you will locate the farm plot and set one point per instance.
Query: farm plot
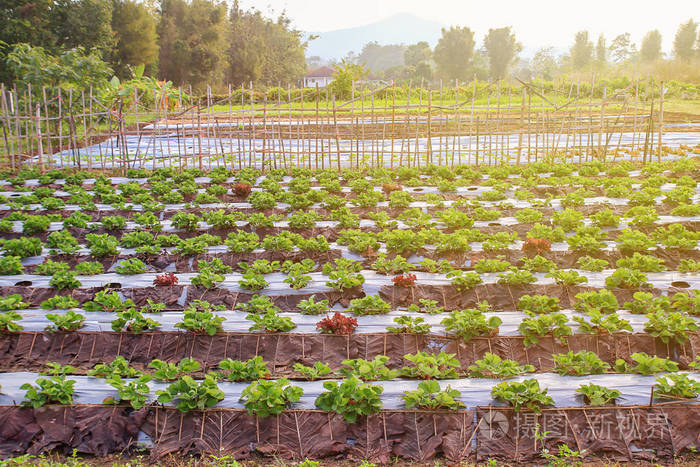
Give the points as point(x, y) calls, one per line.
point(466, 312)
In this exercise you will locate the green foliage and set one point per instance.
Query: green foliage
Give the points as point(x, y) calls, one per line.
point(190, 395)
point(351, 398)
point(49, 267)
point(624, 278)
point(535, 327)
point(493, 366)
point(118, 367)
point(12, 302)
point(409, 325)
point(311, 307)
point(131, 266)
point(242, 242)
point(689, 266)
point(11, 265)
point(64, 280)
point(602, 301)
point(314, 372)
point(516, 276)
point(464, 280)
point(70, 321)
point(429, 396)
point(579, 364)
point(567, 277)
point(431, 366)
point(167, 371)
point(7, 322)
point(491, 265)
point(522, 394)
point(644, 263)
point(538, 264)
point(270, 321)
point(470, 323)
point(677, 386)
point(209, 279)
point(596, 395)
point(645, 364)
point(106, 301)
point(54, 390)
point(369, 370)
point(135, 392)
point(35, 224)
point(132, 320)
point(267, 397)
point(600, 323)
point(198, 317)
point(369, 305)
point(22, 247)
point(102, 245)
point(538, 304)
point(670, 326)
point(630, 241)
point(588, 263)
point(59, 303)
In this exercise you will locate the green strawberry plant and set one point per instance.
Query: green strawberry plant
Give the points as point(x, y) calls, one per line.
point(167, 371)
point(579, 364)
point(118, 367)
point(67, 322)
point(369, 370)
point(270, 397)
point(351, 398)
point(470, 323)
point(429, 396)
point(599, 323)
point(677, 386)
point(54, 390)
point(493, 366)
point(536, 327)
point(132, 320)
point(134, 392)
point(7, 322)
point(314, 372)
point(431, 366)
point(190, 394)
point(596, 395)
point(409, 325)
point(199, 318)
point(670, 326)
point(645, 364)
point(249, 370)
point(525, 394)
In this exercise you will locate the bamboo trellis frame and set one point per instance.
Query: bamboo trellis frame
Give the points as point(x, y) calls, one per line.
point(329, 132)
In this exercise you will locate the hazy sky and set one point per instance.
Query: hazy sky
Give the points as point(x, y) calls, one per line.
point(536, 22)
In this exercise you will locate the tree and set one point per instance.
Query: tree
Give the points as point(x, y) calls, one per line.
point(581, 51)
point(83, 23)
point(417, 53)
point(345, 73)
point(622, 48)
point(651, 46)
point(264, 50)
point(136, 40)
point(685, 40)
point(601, 51)
point(380, 57)
point(501, 48)
point(453, 52)
point(192, 41)
point(544, 64)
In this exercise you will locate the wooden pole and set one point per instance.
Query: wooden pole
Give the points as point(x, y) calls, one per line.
point(661, 122)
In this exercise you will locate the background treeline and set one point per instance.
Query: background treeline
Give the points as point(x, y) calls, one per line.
point(457, 57)
point(189, 42)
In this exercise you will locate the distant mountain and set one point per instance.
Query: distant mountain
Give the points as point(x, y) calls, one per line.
point(401, 28)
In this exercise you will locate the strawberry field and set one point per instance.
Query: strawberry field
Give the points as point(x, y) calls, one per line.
point(460, 313)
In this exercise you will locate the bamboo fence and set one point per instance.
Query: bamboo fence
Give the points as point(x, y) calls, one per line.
point(444, 126)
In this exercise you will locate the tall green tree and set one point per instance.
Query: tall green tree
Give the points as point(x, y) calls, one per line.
point(192, 42)
point(264, 50)
point(581, 51)
point(544, 64)
point(622, 48)
point(83, 23)
point(380, 57)
point(684, 41)
point(417, 53)
point(136, 39)
point(601, 51)
point(651, 46)
point(453, 52)
point(502, 49)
